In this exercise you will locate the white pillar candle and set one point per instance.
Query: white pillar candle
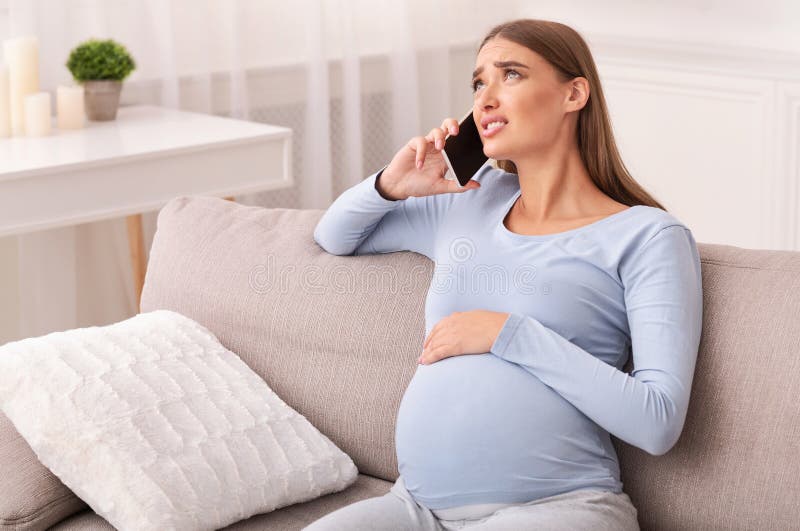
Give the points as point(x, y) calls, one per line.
point(5, 103)
point(22, 58)
point(37, 114)
point(69, 103)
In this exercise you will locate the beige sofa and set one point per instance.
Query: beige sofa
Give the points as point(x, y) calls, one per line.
point(337, 337)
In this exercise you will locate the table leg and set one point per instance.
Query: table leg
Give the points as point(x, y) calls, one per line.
point(136, 246)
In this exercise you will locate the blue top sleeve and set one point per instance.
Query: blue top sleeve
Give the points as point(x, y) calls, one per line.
point(362, 221)
point(664, 300)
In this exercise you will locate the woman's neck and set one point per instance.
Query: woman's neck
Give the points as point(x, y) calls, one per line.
point(557, 186)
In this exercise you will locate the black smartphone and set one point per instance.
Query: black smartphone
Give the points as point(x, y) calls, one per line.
point(463, 152)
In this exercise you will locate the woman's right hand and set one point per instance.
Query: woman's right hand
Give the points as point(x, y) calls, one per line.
point(418, 169)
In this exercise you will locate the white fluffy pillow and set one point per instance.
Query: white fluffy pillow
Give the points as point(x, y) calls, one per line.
point(156, 425)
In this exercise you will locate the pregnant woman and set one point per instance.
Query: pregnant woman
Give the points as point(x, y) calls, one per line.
point(551, 271)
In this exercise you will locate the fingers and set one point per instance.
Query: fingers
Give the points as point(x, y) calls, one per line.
point(427, 350)
point(453, 186)
point(450, 125)
point(435, 354)
point(420, 146)
point(437, 136)
point(430, 336)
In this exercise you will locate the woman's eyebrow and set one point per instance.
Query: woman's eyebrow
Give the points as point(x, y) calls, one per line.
point(498, 64)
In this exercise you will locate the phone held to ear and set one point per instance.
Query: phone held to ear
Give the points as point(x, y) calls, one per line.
point(463, 152)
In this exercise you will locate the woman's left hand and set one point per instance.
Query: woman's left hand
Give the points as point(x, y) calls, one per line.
point(471, 332)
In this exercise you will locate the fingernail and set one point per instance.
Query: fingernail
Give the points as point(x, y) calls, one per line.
point(452, 129)
point(419, 164)
point(438, 144)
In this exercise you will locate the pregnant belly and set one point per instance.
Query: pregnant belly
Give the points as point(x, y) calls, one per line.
point(477, 424)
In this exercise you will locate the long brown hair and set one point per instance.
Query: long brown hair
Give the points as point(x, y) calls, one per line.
point(565, 49)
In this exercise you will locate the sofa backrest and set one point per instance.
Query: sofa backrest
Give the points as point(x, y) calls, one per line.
point(337, 338)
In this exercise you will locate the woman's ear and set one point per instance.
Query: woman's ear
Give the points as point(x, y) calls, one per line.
point(579, 93)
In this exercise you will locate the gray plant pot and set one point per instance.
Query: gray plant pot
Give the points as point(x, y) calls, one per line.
point(101, 99)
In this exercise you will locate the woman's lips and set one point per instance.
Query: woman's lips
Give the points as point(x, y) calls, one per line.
point(491, 132)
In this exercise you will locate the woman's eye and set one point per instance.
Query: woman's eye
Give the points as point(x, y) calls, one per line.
point(509, 71)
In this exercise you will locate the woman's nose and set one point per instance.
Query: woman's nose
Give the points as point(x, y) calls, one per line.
point(487, 98)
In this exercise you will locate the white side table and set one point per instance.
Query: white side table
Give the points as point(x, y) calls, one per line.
point(135, 164)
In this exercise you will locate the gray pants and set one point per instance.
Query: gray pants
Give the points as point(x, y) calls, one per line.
point(595, 509)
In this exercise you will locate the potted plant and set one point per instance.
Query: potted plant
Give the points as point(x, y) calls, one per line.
point(100, 66)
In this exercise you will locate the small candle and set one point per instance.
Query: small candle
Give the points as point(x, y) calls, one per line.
point(69, 103)
point(5, 103)
point(37, 114)
point(22, 58)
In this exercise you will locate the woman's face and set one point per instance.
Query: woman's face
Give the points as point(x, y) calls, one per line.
point(515, 85)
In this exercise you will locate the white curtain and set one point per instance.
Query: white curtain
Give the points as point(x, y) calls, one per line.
point(220, 57)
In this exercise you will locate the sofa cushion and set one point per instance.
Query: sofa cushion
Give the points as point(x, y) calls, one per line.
point(292, 518)
point(154, 424)
point(336, 337)
point(31, 497)
point(736, 463)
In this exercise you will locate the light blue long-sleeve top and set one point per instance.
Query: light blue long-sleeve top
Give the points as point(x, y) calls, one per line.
point(531, 418)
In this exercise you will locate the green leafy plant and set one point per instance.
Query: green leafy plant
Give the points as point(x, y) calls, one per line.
point(100, 59)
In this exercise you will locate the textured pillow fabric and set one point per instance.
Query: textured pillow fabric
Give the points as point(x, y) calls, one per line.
point(156, 425)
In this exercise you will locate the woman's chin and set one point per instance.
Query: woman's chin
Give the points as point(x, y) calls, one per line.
point(495, 154)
